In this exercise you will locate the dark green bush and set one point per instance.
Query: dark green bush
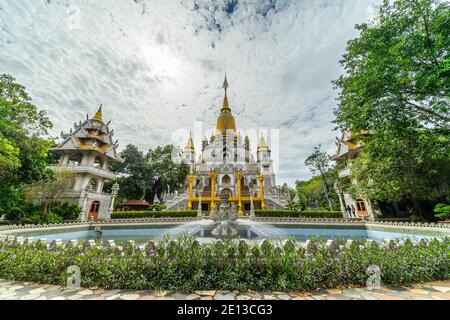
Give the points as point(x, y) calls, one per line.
point(26, 221)
point(152, 214)
point(186, 265)
point(66, 210)
point(14, 214)
point(442, 211)
point(52, 218)
point(298, 214)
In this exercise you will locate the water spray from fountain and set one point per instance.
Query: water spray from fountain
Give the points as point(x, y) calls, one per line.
point(224, 217)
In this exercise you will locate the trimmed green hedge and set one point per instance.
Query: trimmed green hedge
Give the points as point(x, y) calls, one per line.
point(152, 214)
point(298, 214)
point(193, 213)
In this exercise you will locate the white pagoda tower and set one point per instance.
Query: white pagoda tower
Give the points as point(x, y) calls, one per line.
point(87, 151)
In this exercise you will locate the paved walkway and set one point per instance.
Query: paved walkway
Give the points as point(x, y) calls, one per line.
point(14, 290)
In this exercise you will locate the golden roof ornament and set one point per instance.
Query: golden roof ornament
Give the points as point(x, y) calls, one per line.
point(190, 144)
point(225, 121)
point(98, 115)
point(262, 145)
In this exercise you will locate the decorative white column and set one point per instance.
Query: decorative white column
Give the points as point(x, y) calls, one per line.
point(252, 207)
point(341, 200)
point(200, 191)
point(84, 212)
point(114, 191)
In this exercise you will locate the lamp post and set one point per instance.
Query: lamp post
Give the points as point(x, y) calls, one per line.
point(86, 191)
point(114, 192)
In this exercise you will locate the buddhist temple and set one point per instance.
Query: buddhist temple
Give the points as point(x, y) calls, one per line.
point(226, 165)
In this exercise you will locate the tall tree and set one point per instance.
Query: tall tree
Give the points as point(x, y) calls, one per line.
point(319, 163)
point(399, 67)
point(23, 143)
point(150, 174)
point(45, 193)
point(397, 86)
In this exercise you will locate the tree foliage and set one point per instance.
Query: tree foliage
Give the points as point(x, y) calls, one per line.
point(45, 193)
point(23, 147)
point(398, 68)
point(397, 86)
point(319, 163)
point(145, 175)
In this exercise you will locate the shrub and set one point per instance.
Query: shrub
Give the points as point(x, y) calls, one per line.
point(232, 265)
point(67, 211)
point(152, 214)
point(298, 214)
point(157, 207)
point(26, 221)
point(52, 218)
point(14, 214)
point(442, 211)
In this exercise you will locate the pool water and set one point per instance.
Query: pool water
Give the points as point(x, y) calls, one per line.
point(246, 230)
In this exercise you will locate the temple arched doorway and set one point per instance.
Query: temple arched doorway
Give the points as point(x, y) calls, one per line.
point(93, 212)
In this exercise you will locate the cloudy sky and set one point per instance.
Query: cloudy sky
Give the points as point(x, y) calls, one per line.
point(157, 66)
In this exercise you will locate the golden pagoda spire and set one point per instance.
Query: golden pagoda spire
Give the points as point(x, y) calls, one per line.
point(225, 121)
point(190, 144)
point(262, 145)
point(225, 105)
point(98, 115)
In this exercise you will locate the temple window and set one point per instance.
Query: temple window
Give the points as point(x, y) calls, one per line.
point(75, 159)
point(98, 163)
point(226, 179)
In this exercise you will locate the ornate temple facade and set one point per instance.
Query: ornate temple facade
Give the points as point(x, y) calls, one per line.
point(226, 165)
point(87, 151)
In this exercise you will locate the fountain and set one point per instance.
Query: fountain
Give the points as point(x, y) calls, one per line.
point(224, 217)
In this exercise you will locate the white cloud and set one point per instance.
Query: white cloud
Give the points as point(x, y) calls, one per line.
point(158, 65)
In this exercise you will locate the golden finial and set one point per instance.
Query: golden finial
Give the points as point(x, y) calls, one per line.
point(225, 98)
point(98, 115)
point(262, 145)
point(190, 144)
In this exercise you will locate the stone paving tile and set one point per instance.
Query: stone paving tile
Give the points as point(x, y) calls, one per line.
point(420, 291)
point(225, 295)
point(205, 292)
point(51, 293)
point(179, 296)
point(254, 295)
point(334, 291)
point(85, 292)
point(30, 297)
point(110, 293)
point(129, 297)
point(164, 298)
point(147, 297)
point(243, 297)
point(37, 291)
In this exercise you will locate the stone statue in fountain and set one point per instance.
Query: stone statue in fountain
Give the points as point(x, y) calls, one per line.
point(224, 217)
